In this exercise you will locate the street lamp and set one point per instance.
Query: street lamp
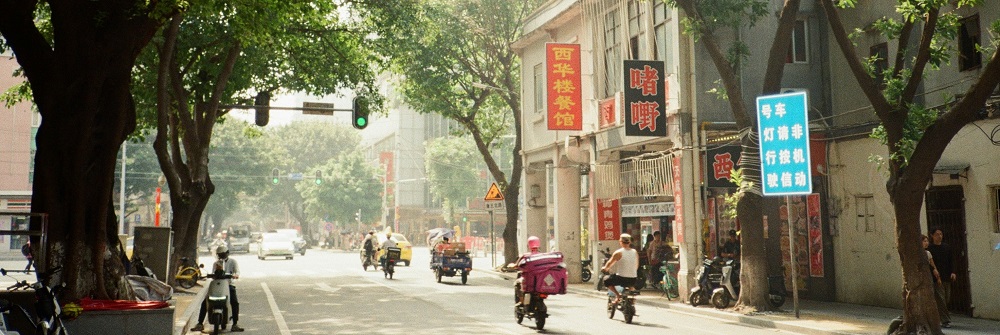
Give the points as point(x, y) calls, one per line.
point(159, 182)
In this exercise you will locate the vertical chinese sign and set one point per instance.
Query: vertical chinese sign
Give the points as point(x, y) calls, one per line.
point(678, 196)
point(608, 219)
point(645, 98)
point(815, 235)
point(565, 100)
point(608, 114)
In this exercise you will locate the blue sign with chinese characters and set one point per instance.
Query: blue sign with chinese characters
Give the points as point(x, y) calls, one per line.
point(783, 125)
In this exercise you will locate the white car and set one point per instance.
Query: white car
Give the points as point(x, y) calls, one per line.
point(275, 244)
point(297, 240)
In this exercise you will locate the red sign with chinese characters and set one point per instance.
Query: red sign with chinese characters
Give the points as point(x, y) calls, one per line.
point(608, 114)
point(815, 235)
point(608, 219)
point(645, 98)
point(678, 200)
point(565, 100)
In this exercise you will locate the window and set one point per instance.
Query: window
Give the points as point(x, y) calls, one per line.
point(880, 55)
point(797, 52)
point(539, 88)
point(612, 53)
point(661, 16)
point(968, 44)
point(995, 208)
point(636, 31)
point(863, 205)
point(550, 176)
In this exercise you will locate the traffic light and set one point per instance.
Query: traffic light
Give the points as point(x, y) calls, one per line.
point(465, 219)
point(357, 216)
point(319, 177)
point(262, 114)
point(359, 113)
point(274, 176)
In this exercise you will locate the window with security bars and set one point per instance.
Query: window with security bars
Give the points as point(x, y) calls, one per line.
point(995, 208)
point(539, 88)
point(864, 207)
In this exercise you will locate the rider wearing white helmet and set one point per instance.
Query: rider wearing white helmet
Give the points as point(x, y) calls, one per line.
point(229, 266)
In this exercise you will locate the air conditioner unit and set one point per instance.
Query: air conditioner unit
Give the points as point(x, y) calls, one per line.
point(784, 90)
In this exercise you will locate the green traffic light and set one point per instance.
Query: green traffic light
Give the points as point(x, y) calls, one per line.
point(274, 181)
point(319, 181)
point(361, 122)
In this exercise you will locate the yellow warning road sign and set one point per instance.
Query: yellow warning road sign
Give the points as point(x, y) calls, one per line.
point(493, 193)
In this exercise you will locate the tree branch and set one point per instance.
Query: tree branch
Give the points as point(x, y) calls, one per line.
point(865, 81)
point(779, 48)
point(212, 110)
point(33, 52)
point(904, 43)
point(923, 56)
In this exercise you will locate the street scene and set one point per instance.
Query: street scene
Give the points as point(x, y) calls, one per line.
point(499, 166)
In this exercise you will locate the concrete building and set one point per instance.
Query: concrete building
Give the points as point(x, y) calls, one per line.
point(396, 142)
point(17, 153)
point(963, 198)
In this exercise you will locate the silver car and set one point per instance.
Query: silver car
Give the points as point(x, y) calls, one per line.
point(275, 244)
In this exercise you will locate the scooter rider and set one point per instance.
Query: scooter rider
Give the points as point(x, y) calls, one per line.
point(369, 244)
point(627, 260)
point(534, 243)
point(388, 243)
point(229, 266)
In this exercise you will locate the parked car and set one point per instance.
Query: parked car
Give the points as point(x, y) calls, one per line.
point(276, 244)
point(404, 245)
point(300, 243)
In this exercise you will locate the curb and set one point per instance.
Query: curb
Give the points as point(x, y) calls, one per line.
point(189, 312)
point(704, 312)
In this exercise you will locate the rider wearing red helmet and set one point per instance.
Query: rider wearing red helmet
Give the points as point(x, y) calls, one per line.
point(534, 244)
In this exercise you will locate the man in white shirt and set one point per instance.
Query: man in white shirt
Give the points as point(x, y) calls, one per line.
point(627, 260)
point(388, 243)
point(229, 266)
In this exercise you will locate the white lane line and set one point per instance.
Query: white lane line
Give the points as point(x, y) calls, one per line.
point(282, 326)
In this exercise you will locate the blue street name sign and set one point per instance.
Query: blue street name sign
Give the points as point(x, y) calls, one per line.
point(783, 125)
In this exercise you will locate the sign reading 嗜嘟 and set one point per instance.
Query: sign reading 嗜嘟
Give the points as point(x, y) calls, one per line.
point(645, 98)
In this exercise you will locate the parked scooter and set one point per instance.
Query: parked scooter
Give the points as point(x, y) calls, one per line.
point(607, 255)
point(730, 287)
point(587, 268)
point(218, 300)
point(709, 277)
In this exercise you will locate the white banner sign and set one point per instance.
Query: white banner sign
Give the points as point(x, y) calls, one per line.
point(653, 209)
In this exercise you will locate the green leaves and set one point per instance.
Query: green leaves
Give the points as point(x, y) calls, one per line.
point(451, 168)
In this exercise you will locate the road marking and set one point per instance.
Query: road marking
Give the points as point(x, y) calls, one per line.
point(282, 326)
point(327, 288)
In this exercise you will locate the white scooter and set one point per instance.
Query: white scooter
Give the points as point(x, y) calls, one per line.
point(218, 300)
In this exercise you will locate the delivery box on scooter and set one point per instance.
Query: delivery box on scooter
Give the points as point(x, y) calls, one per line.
point(543, 273)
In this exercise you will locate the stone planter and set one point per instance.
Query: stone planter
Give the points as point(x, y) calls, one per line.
point(124, 322)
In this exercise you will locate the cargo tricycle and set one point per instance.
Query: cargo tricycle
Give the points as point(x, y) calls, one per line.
point(451, 259)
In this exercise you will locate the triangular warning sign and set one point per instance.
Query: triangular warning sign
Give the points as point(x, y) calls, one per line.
point(493, 193)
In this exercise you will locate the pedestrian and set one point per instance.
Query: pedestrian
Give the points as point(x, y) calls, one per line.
point(731, 249)
point(26, 251)
point(229, 266)
point(658, 252)
point(944, 258)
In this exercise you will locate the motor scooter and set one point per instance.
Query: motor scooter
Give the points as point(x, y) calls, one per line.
point(391, 257)
point(587, 268)
point(729, 289)
point(607, 255)
point(709, 277)
point(218, 300)
point(532, 307)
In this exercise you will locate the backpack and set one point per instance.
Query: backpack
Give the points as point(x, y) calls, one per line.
point(368, 244)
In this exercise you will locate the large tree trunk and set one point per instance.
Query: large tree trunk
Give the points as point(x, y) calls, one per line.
point(920, 314)
point(185, 224)
point(753, 254)
point(80, 84)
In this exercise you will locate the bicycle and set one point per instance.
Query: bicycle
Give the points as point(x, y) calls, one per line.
point(187, 274)
point(46, 305)
point(668, 285)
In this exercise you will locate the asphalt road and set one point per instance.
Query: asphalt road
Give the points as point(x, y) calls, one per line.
point(327, 292)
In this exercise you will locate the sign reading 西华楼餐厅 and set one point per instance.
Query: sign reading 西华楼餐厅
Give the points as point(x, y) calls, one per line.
point(783, 125)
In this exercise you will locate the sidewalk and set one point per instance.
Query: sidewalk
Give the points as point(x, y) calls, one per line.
point(186, 308)
point(816, 317)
